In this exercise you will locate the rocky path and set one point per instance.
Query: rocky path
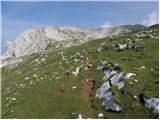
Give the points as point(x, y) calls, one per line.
point(86, 88)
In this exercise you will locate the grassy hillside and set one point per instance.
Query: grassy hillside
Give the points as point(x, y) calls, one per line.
point(42, 85)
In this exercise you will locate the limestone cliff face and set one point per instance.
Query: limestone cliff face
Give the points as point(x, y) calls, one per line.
point(35, 40)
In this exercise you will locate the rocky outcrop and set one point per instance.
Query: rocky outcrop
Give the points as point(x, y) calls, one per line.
point(152, 103)
point(113, 77)
point(117, 81)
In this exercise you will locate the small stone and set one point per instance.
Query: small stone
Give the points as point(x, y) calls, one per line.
point(128, 75)
point(142, 68)
point(87, 80)
point(80, 116)
point(27, 78)
point(73, 88)
point(13, 99)
point(90, 65)
point(131, 82)
point(100, 115)
point(76, 72)
point(135, 96)
point(104, 62)
point(57, 77)
point(35, 76)
point(151, 69)
point(135, 80)
point(116, 64)
point(86, 68)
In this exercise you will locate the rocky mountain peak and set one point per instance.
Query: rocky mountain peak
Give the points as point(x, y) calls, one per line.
point(35, 40)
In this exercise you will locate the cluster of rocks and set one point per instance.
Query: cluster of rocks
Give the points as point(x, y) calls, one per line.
point(77, 60)
point(10, 100)
point(105, 48)
point(121, 47)
point(136, 46)
point(112, 77)
point(76, 72)
point(80, 116)
point(77, 116)
point(77, 57)
point(132, 41)
point(142, 35)
point(150, 33)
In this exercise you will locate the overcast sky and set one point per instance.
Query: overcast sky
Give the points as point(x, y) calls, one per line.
point(19, 16)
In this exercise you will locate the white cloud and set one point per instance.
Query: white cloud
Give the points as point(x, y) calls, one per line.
point(151, 19)
point(106, 25)
point(8, 43)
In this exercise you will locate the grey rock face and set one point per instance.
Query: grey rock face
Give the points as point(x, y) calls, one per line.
point(108, 102)
point(36, 40)
point(112, 78)
point(116, 80)
point(102, 91)
point(108, 74)
point(28, 42)
point(152, 103)
point(107, 98)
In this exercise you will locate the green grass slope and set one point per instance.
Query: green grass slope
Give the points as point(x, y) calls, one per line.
point(40, 87)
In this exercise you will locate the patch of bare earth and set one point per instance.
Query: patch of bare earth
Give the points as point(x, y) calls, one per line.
point(86, 88)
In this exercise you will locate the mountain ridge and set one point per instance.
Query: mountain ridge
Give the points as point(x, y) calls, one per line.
point(35, 40)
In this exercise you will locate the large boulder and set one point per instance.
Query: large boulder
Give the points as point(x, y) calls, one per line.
point(108, 98)
point(152, 103)
point(108, 73)
point(116, 80)
point(108, 102)
point(101, 92)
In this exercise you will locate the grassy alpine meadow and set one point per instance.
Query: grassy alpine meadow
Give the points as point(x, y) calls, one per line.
point(44, 86)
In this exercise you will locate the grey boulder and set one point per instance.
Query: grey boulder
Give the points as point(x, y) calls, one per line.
point(108, 102)
point(109, 72)
point(117, 81)
point(152, 103)
point(102, 91)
